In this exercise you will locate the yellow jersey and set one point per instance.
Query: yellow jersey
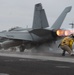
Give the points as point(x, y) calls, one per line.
point(67, 41)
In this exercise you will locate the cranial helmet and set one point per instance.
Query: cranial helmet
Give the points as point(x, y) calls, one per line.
point(72, 35)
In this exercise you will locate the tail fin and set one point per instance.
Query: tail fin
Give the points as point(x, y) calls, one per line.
point(40, 20)
point(61, 18)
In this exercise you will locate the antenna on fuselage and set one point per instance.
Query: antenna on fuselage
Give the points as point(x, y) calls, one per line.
point(72, 24)
point(27, 26)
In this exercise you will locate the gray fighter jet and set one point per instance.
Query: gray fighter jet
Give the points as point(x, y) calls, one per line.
point(39, 34)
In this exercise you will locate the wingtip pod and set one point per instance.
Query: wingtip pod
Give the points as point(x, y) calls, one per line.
point(68, 9)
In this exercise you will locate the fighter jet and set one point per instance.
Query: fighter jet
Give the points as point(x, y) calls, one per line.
point(39, 34)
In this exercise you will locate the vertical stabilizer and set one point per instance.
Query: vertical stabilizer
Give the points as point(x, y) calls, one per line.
point(40, 19)
point(61, 18)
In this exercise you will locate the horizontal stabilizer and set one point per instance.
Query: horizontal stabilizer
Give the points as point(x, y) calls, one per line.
point(61, 18)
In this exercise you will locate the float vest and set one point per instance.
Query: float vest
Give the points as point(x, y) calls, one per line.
point(67, 41)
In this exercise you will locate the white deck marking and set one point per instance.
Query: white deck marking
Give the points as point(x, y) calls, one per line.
point(38, 56)
point(3, 74)
point(63, 67)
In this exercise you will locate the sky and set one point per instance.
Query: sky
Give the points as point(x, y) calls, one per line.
point(20, 12)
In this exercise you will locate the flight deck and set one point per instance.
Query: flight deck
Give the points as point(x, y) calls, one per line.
point(28, 63)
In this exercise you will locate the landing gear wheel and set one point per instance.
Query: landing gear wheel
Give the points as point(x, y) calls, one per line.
point(22, 48)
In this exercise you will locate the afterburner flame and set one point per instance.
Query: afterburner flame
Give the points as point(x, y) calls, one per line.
point(63, 32)
point(67, 32)
point(60, 32)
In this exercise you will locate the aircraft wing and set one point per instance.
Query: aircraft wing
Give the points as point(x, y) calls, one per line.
point(20, 36)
